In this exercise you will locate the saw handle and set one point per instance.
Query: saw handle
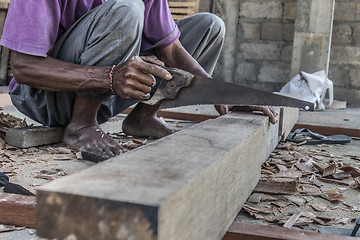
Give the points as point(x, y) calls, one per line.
point(168, 89)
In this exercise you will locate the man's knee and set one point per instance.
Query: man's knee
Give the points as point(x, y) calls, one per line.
point(214, 23)
point(131, 10)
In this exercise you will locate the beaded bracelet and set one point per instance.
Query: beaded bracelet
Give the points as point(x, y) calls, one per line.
point(111, 74)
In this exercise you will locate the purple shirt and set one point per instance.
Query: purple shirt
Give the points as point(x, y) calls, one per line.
point(32, 26)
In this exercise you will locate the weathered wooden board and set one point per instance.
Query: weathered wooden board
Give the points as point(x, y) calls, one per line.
point(248, 231)
point(183, 8)
point(331, 121)
point(189, 185)
point(17, 210)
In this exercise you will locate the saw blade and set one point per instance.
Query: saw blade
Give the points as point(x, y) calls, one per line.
point(204, 90)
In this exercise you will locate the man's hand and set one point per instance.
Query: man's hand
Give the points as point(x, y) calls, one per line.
point(135, 77)
point(267, 110)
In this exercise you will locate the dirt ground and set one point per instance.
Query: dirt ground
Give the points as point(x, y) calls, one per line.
point(34, 167)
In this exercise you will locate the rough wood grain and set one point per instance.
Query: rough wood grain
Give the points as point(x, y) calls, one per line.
point(183, 8)
point(189, 185)
point(331, 122)
point(248, 231)
point(17, 210)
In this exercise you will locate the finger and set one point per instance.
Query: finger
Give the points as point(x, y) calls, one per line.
point(274, 112)
point(153, 69)
point(139, 95)
point(268, 112)
point(153, 59)
point(136, 90)
point(222, 109)
point(136, 77)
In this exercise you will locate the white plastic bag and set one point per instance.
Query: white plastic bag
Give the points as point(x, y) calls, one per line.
point(311, 87)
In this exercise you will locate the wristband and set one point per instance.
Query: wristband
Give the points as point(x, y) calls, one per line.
point(111, 74)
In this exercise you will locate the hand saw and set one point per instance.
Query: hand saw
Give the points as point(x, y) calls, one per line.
point(188, 89)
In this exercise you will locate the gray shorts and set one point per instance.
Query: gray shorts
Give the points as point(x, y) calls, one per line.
point(202, 36)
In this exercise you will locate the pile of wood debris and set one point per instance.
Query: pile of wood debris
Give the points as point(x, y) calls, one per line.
point(8, 121)
point(302, 186)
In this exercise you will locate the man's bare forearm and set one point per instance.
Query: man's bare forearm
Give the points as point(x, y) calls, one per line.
point(55, 75)
point(176, 56)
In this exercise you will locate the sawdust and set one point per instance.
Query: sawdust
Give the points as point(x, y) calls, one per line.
point(327, 188)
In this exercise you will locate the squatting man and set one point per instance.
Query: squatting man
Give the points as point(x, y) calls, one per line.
point(77, 63)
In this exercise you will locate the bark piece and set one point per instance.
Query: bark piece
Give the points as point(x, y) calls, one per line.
point(274, 187)
point(292, 220)
point(308, 189)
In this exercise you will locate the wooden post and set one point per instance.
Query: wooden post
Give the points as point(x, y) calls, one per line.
point(189, 185)
point(312, 39)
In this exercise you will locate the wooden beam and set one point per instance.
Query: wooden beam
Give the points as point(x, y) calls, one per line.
point(17, 210)
point(248, 231)
point(189, 185)
point(237, 231)
point(192, 117)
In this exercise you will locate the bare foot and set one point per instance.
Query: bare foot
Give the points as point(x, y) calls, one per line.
point(85, 137)
point(142, 122)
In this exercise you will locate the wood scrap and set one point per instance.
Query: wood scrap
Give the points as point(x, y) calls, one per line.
point(274, 187)
point(333, 195)
point(354, 171)
point(255, 197)
point(17, 210)
point(292, 220)
point(250, 231)
point(319, 207)
point(329, 171)
point(308, 189)
point(9, 228)
point(297, 200)
point(319, 170)
point(8, 121)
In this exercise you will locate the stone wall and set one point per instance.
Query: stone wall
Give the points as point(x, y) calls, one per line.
point(259, 43)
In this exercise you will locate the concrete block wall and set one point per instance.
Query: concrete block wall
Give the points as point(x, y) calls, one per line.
point(259, 43)
point(345, 51)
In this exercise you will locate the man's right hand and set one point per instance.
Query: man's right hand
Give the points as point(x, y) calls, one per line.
point(135, 77)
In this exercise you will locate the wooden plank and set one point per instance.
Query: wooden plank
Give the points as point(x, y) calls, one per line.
point(331, 122)
point(17, 210)
point(329, 130)
point(189, 185)
point(286, 124)
point(182, 4)
point(248, 231)
point(181, 9)
point(186, 11)
point(192, 117)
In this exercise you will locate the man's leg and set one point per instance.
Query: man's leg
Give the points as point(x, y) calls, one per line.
point(110, 34)
point(120, 31)
point(202, 35)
